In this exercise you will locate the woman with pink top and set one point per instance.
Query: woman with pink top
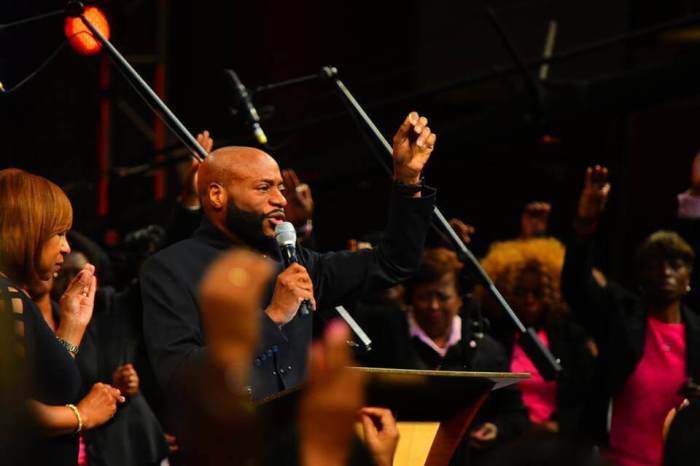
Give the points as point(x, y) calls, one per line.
point(648, 344)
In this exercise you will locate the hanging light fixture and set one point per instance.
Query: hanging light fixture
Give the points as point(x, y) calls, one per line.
point(80, 38)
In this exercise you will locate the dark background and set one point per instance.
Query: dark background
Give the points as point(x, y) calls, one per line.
point(633, 106)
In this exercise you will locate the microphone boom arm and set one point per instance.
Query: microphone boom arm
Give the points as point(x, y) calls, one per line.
point(146, 93)
point(541, 357)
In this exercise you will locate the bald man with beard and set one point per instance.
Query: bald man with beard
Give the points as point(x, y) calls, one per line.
point(242, 196)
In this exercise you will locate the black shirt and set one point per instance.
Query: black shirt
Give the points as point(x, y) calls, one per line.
point(53, 375)
point(170, 281)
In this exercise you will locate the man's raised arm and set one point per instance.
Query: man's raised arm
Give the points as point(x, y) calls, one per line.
point(340, 276)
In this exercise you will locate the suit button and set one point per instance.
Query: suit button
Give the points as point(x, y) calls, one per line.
point(282, 371)
point(258, 362)
point(263, 356)
point(274, 372)
point(289, 368)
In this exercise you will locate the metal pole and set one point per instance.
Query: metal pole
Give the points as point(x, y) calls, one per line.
point(543, 359)
point(150, 97)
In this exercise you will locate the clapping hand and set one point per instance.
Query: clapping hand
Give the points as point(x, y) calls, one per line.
point(77, 303)
point(126, 379)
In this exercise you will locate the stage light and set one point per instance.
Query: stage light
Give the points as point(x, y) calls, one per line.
point(80, 37)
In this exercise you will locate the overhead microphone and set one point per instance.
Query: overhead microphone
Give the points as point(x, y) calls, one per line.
point(243, 96)
point(286, 238)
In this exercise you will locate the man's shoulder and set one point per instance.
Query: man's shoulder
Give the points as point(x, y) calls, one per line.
point(178, 255)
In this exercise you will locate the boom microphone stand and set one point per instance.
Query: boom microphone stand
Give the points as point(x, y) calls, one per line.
point(541, 357)
point(76, 9)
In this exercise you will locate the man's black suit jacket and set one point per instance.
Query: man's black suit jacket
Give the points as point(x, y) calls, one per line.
point(170, 281)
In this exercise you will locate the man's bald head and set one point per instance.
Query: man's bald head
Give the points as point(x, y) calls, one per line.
point(230, 164)
point(239, 187)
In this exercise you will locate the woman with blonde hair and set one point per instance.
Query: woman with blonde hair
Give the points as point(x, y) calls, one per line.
point(527, 272)
point(34, 218)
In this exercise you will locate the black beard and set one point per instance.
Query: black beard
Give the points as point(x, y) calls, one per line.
point(248, 227)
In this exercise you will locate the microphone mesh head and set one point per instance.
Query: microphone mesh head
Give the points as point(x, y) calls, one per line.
point(285, 234)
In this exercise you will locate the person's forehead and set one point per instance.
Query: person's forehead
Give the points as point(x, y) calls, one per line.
point(445, 281)
point(258, 168)
point(666, 258)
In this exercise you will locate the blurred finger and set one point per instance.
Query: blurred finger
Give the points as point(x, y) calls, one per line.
point(407, 124)
point(422, 140)
point(288, 181)
point(294, 177)
point(92, 288)
point(368, 426)
point(336, 351)
point(304, 192)
point(296, 268)
point(383, 414)
point(420, 125)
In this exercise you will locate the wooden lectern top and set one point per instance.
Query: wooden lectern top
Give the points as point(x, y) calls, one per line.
point(433, 408)
point(428, 395)
point(414, 395)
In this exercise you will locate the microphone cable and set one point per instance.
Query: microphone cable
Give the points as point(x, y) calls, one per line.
point(38, 70)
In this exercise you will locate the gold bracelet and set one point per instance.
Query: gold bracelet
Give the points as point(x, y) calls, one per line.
point(77, 414)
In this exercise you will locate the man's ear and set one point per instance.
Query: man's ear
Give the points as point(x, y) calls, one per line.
point(217, 196)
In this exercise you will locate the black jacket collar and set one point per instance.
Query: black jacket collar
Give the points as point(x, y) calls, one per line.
point(692, 340)
point(212, 235)
point(215, 237)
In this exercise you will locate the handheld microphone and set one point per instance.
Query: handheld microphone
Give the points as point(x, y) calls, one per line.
point(247, 103)
point(286, 238)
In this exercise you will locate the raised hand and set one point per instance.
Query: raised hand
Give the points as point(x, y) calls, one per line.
point(381, 434)
point(126, 380)
point(330, 402)
point(205, 141)
point(189, 197)
point(412, 145)
point(463, 230)
point(594, 195)
point(292, 287)
point(534, 220)
point(76, 305)
point(300, 203)
point(695, 176)
point(99, 405)
point(230, 296)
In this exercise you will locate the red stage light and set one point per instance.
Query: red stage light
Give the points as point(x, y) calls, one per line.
point(80, 38)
